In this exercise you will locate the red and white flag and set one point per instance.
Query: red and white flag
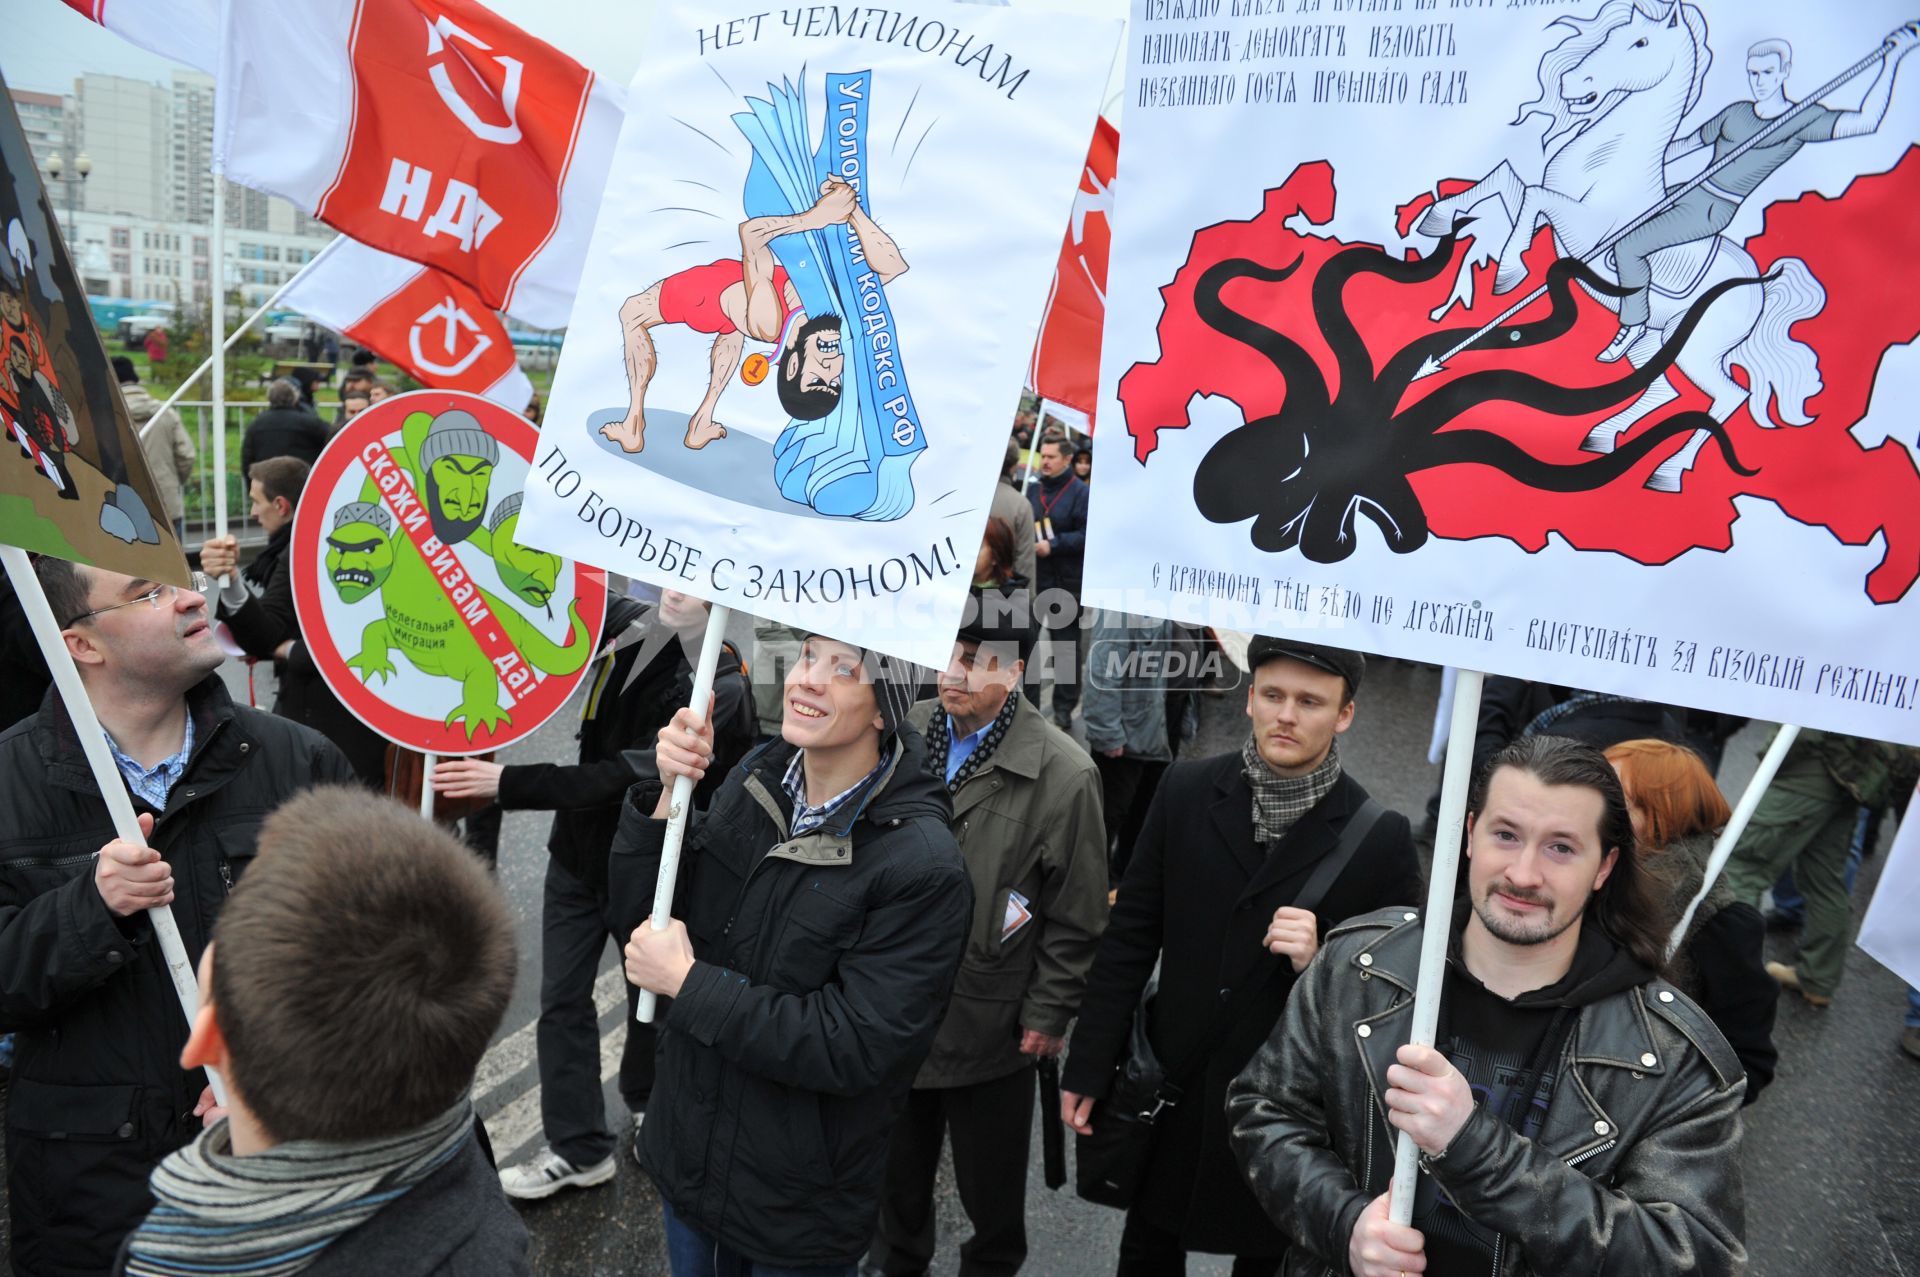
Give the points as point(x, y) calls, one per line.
point(434, 130)
point(185, 31)
point(425, 321)
point(1066, 354)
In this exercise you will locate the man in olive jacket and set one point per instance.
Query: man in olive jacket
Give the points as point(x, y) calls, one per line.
point(1026, 809)
point(820, 917)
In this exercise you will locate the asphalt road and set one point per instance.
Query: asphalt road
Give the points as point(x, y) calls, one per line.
point(1830, 1159)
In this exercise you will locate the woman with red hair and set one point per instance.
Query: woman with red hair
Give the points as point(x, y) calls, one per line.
point(1677, 809)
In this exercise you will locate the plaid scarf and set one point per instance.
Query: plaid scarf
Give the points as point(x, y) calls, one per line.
point(1279, 801)
point(939, 740)
point(273, 1214)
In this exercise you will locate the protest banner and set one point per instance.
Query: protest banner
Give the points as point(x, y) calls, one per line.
point(424, 609)
point(1888, 933)
point(185, 31)
point(422, 320)
point(1066, 357)
point(73, 481)
point(1698, 485)
point(431, 129)
point(843, 483)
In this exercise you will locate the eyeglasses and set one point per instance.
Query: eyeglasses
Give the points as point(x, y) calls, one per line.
point(156, 598)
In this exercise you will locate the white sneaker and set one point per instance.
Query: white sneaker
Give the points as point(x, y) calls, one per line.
point(634, 1142)
point(549, 1172)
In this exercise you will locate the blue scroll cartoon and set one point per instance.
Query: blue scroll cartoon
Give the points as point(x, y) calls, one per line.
point(853, 432)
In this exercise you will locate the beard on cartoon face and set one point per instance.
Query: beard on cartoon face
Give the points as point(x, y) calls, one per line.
point(359, 559)
point(457, 496)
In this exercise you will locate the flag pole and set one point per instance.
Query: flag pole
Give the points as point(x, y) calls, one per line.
point(232, 338)
point(106, 776)
point(219, 336)
point(682, 802)
point(1439, 920)
point(1736, 825)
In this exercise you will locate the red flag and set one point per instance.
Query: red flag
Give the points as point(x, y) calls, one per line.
point(1066, 356)
point(423, 320)
point(453, 139)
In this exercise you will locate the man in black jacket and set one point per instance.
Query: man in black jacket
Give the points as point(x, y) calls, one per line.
point(257, 605)
point(286, 429)
point(1213, 893)
point(820, 918)
point(1576, 1115)
point(645, 675)
point(349, 1145)
point(99, 1096)
point(1059, 502)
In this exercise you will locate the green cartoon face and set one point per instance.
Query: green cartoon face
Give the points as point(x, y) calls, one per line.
point(458, 488)
point(531, 574)
point(359, 558)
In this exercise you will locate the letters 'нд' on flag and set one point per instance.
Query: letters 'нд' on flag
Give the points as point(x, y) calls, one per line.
point(438, 132)
point(73, 481)
point(429, 323)
point(1066, 358)
point(184, 31)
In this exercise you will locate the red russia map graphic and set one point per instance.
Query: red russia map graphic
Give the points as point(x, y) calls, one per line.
point(1818, 474)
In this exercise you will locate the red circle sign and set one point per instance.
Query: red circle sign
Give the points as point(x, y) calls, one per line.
point(424, 614)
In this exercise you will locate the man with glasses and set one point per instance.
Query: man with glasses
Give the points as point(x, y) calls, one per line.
point(98, 1094)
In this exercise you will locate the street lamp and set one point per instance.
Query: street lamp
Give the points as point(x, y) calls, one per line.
point(82, 166)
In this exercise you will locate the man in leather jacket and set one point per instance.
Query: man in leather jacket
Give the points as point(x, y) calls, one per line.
point(1579, 1114)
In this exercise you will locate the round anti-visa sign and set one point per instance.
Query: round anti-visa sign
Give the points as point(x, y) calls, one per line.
point(426, 616)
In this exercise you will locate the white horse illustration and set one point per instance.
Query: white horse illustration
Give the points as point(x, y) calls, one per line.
point(1615, 91)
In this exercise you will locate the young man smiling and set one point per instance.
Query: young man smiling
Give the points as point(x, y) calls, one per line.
point(1227, 889)
point(820, 917)
point(1578, 1115)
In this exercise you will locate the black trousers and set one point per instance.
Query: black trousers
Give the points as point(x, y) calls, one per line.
point(1148, 1250)
point(574, 930)
point(990, 1124)
point(1127, 786)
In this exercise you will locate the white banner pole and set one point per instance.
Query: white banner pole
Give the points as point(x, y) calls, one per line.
point(106, 776)
point(1033, 445)
point(682, 803)
point(232, 337)
point(1439, 920)
point(426, 786)
point(1736, 825)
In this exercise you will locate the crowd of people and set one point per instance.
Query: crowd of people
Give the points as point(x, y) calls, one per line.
point(911, 906)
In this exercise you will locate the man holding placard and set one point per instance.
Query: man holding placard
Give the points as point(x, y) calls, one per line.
point(98, 1094)
point(820, 920)
point(1578, 1115)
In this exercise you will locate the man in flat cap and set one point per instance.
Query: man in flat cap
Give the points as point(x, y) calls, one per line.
point(1245, 861)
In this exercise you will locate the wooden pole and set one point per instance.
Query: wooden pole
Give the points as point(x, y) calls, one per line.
point(682, 803)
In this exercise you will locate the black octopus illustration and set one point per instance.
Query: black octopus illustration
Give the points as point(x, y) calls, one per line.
point(1341, 456)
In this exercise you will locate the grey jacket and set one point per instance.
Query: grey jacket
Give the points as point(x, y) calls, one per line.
point(1124, 702)
point(168, 448)
point(1635, 1171)
point(1027, 821)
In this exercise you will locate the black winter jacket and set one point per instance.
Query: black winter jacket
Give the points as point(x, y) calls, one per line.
point(454, 1223)
point(823, 968)
point(1635, 1170)
point(99, 1096)
point(282, 432)
point(1064, 502)
point(616, 739)
point(1198, 897)
point(265, 621)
